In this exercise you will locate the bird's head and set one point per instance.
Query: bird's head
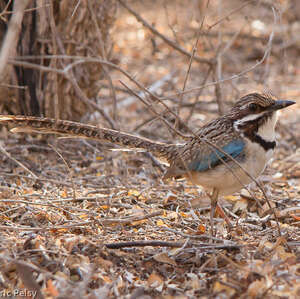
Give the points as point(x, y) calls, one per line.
point(257, 112)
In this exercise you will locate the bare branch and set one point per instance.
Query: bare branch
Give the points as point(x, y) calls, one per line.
point(12, 36)
point(159, 243)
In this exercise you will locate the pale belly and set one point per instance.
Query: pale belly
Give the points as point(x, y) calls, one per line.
point(231, 178)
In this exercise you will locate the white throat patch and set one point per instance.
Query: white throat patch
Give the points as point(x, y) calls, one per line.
point(267, 130)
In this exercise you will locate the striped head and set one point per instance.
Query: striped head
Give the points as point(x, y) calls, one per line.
point(255, 117)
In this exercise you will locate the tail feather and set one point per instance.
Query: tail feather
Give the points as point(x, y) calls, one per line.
point(30, 124)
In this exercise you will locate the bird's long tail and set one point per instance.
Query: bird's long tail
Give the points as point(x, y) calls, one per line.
point(30, 124)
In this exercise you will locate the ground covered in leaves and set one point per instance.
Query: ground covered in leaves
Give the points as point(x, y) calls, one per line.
point(79, 220)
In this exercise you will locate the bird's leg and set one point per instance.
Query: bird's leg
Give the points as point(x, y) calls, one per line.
point(214, 201)
point(221, 212)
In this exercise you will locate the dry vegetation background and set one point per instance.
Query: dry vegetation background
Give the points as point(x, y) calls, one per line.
point(81, 221)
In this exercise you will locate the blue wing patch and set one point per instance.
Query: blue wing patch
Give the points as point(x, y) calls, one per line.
point(234, 149)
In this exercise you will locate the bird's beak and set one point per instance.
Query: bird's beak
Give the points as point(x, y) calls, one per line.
point(280, 104)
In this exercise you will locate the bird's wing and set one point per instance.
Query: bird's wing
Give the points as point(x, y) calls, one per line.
point(202, 157)
point(216, 157)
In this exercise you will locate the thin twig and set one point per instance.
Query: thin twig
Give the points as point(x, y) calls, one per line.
point(262, 38)
point(5, 11)
point(168, 20)
point(196, 101)
point(105, 56)
point(50, 16)
point(154, 111)
point(17, 162)
point(231, 13)
point(131, 219)
point(217, 69)
point(83, 223)
point(56, 182)
point(164, 38)
point(153, 87)
point(12, 86)
point(236, 76)
point(17, 201)
point(217, 75)
point(27, 228)
point(68, 168)
point(188, 72)
point(195, 237)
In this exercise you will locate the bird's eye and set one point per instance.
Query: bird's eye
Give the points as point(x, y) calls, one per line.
point(253, 107)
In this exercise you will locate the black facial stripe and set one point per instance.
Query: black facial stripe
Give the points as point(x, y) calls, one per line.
point(250, 129)
point(267, 145)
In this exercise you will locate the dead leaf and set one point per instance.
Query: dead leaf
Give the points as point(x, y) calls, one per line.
point(159, 222)
point(164, 258)
point(105, 264)
point(297, 218)
point(219, 287)
point(240, 205)
point(201, 229)
point(256, 288)
point(155, 280)
point(51, 288)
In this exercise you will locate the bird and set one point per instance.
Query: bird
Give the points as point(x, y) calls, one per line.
point(222, 156)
